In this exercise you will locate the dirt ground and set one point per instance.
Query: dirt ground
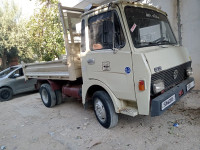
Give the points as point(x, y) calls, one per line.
point(26, 124)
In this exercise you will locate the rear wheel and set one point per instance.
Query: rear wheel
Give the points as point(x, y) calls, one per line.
point(104, 109)
point(5, 94)
point(47, 95)
point(59, 99)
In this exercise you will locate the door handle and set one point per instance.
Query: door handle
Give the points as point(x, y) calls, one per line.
point(91, 61)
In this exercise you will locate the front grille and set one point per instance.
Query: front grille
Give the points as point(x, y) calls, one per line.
point(168, 76)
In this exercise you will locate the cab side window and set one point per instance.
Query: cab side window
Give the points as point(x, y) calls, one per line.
point(101, 31)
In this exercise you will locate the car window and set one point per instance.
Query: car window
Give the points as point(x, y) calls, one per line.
point(17, 73)
point(6, 71)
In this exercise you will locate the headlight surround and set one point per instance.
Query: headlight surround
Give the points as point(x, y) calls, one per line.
point(189, 71)
point(158, 86)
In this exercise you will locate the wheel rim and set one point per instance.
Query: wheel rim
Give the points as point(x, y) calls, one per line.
point(5, 94)
point(100, 110)
point(45, 96)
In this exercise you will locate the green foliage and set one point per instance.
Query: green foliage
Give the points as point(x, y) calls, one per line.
point(39, 38)
point(45, 34)
point(9, 14)
point(13, 34)
point(23, 43)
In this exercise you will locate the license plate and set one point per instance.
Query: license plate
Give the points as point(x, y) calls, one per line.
point(168, 102)
point(190, 85)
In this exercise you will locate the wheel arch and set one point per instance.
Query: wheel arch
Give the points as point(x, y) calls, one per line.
point(95, 85)
point(54, 84)
point(5, 86)
point(91, 90)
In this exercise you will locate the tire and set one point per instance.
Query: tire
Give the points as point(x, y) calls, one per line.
point(5, 94)
point(104, 109)
point(59, 99)
point(47, 95)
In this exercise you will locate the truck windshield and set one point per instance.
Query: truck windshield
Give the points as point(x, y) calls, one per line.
point(148, 27)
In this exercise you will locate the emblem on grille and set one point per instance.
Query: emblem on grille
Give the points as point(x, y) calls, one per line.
point(157, 69)
point(175, 74)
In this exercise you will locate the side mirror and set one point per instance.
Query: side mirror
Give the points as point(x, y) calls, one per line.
point(118, 36)
point(107, 32)
point(110, 35)
point(16, 75)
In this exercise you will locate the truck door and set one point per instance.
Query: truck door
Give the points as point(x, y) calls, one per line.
point(107, 62)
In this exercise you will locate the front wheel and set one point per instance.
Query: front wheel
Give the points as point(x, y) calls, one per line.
point(104, 109)
point(5, 94)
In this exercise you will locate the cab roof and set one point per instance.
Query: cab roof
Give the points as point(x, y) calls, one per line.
point(130, 3)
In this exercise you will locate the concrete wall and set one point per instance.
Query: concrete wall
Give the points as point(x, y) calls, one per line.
point(190, 21)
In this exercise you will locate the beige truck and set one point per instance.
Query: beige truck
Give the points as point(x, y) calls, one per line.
point(121, 57)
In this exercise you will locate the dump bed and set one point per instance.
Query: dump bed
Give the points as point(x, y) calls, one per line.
point(56, 70)
point(69, 67)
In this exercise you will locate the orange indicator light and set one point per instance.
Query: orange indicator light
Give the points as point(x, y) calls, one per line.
point(141, 85)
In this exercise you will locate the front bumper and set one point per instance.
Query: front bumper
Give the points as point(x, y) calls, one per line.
point(156, 103)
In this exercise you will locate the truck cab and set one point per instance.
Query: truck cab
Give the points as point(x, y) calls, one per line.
point(128, 60)
point(133, 52)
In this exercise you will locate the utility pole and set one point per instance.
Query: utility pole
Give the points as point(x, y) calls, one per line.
point(179, 23)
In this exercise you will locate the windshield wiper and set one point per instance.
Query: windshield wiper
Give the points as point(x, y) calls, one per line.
point(161, 41)
point(147, 44)
point(154, 43)
point(158, 40)
point(164, 42)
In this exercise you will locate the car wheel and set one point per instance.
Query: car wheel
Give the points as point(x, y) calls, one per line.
point(104, 109)
point(47, 95)
point(58, 97)
point(5, 94)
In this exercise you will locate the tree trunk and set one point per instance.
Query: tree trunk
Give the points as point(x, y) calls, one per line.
point(4, 59)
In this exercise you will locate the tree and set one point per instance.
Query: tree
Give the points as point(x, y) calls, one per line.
point(25, 52)
point(13, 34)
point(8, 16)
point(45, 34)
